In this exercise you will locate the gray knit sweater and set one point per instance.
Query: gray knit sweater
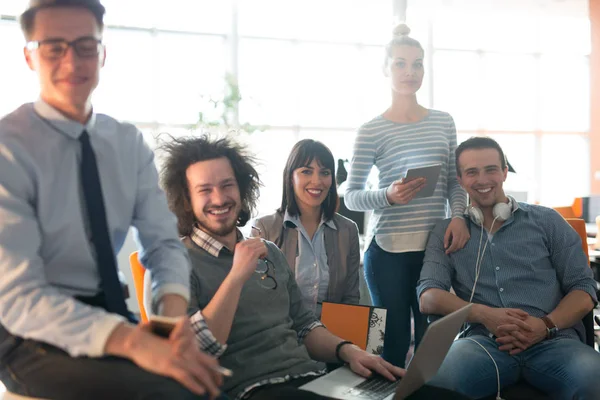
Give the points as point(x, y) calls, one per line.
point(263, 342)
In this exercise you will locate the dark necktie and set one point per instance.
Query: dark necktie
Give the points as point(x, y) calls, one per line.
point(105, 257)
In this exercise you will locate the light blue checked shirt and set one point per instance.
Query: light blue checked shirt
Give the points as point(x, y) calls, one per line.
point(312, 268)
point(534, 260)
point(46, 257)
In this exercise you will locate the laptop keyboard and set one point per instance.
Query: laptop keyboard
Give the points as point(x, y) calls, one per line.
point(375, 388)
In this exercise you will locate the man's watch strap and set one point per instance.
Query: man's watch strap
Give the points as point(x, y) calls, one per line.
point(551, 328)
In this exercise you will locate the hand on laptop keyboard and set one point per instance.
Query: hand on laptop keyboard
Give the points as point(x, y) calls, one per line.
point(366, 364)
point(374, 388)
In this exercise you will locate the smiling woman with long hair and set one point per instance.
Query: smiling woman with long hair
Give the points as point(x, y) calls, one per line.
point(320, 245)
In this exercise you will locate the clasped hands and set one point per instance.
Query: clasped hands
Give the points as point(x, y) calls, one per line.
point(515, 330)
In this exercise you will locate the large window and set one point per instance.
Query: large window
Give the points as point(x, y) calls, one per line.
point(124, 92)
point(339, 21)
point(269, 81)
point(517, 71)
point(457, 74)
point(305, 69)
point(16, 80)
point(309, 69)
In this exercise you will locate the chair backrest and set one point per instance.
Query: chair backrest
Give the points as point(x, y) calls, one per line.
point(588, 321)
point(565, 212)
point(579, 226)
point(138, 271)
point(573, 211)
point(577, 207)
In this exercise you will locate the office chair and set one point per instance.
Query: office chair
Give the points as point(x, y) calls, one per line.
point(138, 272)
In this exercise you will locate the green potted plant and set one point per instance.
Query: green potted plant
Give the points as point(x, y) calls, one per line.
point(220, 114)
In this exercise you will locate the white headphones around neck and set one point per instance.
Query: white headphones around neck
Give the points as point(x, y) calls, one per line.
point(501, 211)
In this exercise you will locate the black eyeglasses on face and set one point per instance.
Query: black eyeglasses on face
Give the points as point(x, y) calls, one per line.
point(266, 281)
point(54, 49)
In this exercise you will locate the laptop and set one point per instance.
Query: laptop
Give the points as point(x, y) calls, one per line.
point(345, 384)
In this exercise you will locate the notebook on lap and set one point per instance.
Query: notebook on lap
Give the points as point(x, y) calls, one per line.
point(345, 384)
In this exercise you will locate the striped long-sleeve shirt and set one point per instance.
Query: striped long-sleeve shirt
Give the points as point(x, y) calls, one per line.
point(394, 148)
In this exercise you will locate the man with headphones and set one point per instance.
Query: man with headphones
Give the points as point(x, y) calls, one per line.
point(529, 280)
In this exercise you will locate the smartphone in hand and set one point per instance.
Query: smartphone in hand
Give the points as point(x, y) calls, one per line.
point(162, 326)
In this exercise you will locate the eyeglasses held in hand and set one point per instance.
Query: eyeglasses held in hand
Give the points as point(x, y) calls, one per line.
point(262, 268)
point(55, 49)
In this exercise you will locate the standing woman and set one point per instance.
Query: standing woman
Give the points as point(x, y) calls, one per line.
point(406, 135)
point(320, 245)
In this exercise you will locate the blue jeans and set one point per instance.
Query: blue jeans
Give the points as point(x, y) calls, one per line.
point(392, 280)
point(563, 368)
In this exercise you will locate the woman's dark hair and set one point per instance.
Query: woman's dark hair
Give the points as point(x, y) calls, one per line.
point(302, 154)
point(479, 142)
point(180, 153)
point(27, 19)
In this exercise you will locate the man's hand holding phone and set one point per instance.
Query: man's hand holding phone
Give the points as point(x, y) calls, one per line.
point(176, 356)
point(165, 326)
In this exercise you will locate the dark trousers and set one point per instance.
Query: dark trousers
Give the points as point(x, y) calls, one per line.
point(392, 280)
point(290, 391)
point(37, 369)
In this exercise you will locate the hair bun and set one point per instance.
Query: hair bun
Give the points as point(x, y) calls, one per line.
point(401, 30)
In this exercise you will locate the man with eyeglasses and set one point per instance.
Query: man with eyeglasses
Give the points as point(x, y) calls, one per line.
point(243, 289)
point(72, 182)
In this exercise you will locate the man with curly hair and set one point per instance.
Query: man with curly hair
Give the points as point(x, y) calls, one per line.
point(243, 288)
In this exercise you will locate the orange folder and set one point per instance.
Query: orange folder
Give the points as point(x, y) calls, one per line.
point(362, 325)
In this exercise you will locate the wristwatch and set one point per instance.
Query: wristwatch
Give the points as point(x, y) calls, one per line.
point(551, 329)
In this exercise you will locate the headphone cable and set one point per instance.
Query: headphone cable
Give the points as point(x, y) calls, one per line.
point(478, 262)
point(495, 365)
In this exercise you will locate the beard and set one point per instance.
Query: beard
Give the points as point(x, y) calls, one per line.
point(218, 229)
